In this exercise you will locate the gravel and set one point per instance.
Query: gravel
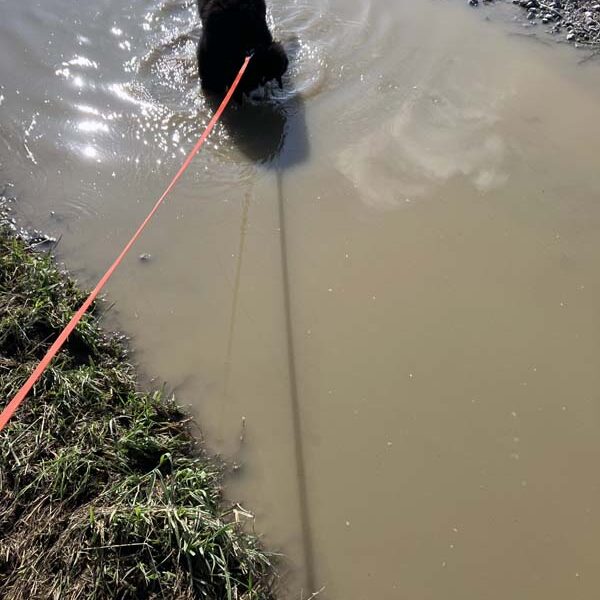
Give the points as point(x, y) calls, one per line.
point(576, 21)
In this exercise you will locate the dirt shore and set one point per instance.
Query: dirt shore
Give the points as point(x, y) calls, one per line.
point(574, 21)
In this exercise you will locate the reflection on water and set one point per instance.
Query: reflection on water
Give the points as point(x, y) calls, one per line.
point(428, 143)
point(385, 275)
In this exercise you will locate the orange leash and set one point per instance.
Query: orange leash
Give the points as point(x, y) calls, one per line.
point(12, 406)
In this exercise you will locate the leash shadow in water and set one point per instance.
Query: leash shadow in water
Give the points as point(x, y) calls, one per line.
point(295, 400)
point(274, 135)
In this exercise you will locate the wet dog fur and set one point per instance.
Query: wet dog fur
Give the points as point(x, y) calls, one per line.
point(231, 30)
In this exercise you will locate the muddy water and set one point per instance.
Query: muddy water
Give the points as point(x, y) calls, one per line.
point(379, 289)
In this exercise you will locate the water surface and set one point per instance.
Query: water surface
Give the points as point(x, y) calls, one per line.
point(378, 290)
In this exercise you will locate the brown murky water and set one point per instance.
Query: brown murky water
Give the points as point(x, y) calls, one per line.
point(381, 294)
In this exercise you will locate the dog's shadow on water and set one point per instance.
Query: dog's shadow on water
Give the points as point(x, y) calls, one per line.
point(271, 132)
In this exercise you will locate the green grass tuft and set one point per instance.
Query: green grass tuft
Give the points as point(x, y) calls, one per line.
point(103, 491)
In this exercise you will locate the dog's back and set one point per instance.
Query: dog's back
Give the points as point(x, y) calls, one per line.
point(231, 29)
point(257, 7)
point(236, 24)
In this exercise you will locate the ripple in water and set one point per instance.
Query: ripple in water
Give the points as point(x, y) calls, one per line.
point(133, 96)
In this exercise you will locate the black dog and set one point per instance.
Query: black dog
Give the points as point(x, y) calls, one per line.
point(231, 30)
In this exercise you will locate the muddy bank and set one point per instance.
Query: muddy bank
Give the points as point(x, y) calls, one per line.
point(103, 491)
point(576, 21)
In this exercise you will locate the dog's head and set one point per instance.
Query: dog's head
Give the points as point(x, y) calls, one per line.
point(273, 63)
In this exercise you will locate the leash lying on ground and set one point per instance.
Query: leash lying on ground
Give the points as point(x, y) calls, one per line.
point(11, 407)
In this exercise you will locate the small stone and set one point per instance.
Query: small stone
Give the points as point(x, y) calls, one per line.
point(145, 257)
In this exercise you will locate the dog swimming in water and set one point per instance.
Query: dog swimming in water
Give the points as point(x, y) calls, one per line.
point(232, 30)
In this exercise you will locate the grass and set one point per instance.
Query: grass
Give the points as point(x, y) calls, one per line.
point(103, 491)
